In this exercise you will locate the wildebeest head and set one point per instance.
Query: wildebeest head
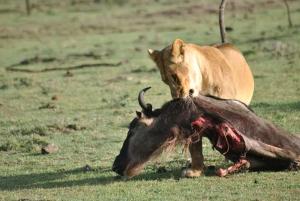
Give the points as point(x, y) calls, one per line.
point(137, 147)
point(129, 161)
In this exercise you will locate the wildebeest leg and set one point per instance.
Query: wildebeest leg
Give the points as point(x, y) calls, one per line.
point(197, 164)
point(258, 163)
point(262, 149)
point(240, 165)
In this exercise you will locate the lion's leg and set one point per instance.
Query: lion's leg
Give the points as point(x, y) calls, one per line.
point(197, 165)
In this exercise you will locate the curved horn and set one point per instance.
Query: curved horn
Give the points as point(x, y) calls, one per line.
point(145, 106)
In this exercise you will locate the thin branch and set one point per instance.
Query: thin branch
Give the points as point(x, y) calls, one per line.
point(221, 21)
point(288, 13)
point(63, 68)
point(28, 8)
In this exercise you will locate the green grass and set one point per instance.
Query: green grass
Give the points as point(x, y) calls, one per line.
point(101, 101)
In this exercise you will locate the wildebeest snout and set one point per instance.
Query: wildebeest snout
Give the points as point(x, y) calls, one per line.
point(117, 167)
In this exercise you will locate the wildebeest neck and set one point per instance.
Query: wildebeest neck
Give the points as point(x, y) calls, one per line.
point(179, 111)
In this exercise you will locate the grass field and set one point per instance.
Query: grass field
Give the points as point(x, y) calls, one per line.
point(85, 112)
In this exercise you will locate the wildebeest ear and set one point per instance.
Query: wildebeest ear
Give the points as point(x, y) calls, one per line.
point(154, 54)
point(138, 114)
point(177, 50)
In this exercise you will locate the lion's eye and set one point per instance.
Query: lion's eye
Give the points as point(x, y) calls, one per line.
point(175, 79)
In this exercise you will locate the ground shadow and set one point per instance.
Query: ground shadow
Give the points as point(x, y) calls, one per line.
point(49, 180)
point(52, 179)
point(55, 179)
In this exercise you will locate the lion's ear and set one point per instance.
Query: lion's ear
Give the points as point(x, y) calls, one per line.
point(177, 50)
point(154, 54)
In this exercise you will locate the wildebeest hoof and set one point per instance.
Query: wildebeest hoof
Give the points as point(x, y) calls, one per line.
point(222, 172)
point(239, 166)
point(295, 165)
point(190, 173)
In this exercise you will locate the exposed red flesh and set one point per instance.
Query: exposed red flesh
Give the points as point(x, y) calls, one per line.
point(227, 140)
point(227, 137)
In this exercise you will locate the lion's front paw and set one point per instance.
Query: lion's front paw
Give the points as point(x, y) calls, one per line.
point(188, 172)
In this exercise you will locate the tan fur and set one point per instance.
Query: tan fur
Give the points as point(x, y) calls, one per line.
point(219, 70)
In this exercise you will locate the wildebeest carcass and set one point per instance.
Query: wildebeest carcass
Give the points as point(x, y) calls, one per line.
point(234, 130)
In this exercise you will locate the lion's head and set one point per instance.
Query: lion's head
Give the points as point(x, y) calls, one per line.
point(178, 69)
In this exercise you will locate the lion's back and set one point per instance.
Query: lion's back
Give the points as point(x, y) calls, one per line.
point(241, 69)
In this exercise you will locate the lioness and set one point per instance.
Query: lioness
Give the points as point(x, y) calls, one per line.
point(219, 70)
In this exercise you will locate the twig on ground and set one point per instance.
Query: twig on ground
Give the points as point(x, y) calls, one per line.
point(87, 54)
point(81, 66)
point(33, 60)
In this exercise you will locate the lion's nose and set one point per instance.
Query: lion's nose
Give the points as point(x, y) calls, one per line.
point(191, 92)
point(181, 91)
